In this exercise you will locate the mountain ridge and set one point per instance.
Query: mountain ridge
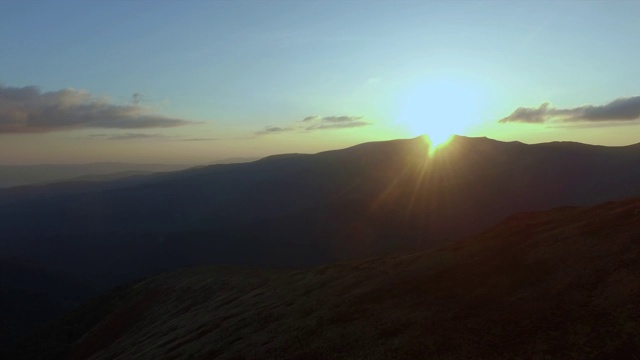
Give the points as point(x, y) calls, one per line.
point(312, 209)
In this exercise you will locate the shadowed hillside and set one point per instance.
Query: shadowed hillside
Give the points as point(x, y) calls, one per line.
point(32, 295)
point(561, 284)
point(302, 210)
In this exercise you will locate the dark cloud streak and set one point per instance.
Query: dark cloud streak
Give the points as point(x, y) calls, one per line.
point(137, 136)
point(341, 119)
point(128, 136)
point(143, 136)
point(313, 123)
point(199, 139)
point(351, 124)
point(273, 130)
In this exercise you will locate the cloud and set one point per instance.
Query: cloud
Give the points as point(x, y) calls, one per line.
point(315, 122)
point(136, 98)
point(142, 136)
point(137, 136)
point(129, 136)
point(273, 130)
point(340, 125)
point(340, 119)
point(28, 110)
point(619, 110)
point(200, 139)
point(528, 115)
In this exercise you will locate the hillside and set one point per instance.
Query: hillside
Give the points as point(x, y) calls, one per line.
point(33, 295)
point(306, 210)
point(560, 284)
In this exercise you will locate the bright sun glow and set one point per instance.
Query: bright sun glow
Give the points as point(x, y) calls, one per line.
point(440, 108)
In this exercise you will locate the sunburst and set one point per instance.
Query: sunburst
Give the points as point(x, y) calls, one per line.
point(440, 109)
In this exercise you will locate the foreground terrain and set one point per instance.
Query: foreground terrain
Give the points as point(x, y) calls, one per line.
point(559, 284)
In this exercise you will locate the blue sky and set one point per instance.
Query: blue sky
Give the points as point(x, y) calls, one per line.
point(239, 77)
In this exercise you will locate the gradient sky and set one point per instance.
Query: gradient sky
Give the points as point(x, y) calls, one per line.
point(194, 82)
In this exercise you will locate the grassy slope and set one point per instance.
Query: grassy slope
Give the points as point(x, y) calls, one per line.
point(558, 284)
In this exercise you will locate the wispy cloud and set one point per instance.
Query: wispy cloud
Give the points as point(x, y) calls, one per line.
point(619, 110)
point(129, 136)
point(137, 136)
point(199, 139)
point(28, 110)
point(315, 122)
point(144, 136)
point(274, 130)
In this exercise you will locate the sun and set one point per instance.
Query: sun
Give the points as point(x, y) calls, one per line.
point(439, 109)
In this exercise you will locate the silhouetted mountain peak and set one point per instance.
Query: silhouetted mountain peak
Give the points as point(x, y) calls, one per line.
point(281, 156)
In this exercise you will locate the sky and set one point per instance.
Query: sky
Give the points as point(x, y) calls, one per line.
point(193, 82)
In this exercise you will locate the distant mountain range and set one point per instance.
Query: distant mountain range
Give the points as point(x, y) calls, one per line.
point(18, 175)
point(560, 284)
point(21, 175)
point(304, 210)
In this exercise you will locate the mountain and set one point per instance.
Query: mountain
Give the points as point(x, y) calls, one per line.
point(303, 210)
point(79, 185)
point(559, 284)
point(97, 182)
point(18, 175)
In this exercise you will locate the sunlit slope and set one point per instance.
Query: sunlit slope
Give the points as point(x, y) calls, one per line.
point(302, 210)
point(560, 284)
